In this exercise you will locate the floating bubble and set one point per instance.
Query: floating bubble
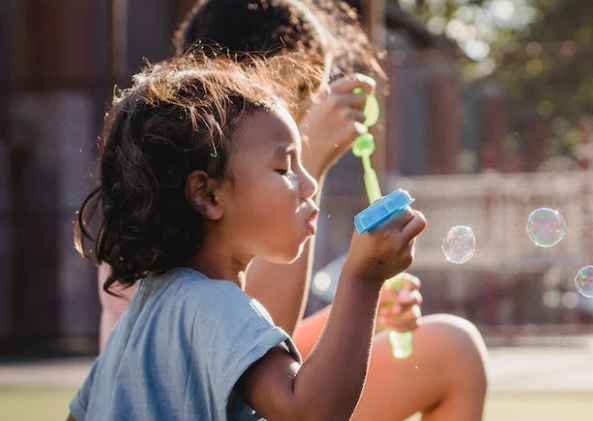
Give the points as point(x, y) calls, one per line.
point(584, 281)
point(546, 227)
point(459, 244)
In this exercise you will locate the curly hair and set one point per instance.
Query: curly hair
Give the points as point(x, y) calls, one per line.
point(321, 29)
point(352, 48)
point(179, 116)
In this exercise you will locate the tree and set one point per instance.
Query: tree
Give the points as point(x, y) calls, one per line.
point(541, 51)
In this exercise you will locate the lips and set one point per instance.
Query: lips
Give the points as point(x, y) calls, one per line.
point(312, 222)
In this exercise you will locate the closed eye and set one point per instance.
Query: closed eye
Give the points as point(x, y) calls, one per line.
point(287, 172)
point(285, 168)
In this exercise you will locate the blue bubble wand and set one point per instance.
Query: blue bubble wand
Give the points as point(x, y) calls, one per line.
point(363, 147)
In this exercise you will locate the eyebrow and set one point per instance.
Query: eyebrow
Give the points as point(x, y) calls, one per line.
point(284, 149)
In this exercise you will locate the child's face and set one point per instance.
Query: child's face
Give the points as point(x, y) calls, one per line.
point(271, 211)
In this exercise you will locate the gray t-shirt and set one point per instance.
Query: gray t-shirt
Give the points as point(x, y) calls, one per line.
point(178, 351)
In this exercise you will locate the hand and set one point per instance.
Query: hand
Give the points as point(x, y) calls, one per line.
point(400, 309)
point(386, 250)
point(333, 121)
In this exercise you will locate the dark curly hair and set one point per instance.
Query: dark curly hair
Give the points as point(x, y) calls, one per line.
point(321, 29)
point(178, 117)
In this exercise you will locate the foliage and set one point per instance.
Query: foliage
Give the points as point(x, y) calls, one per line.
point(541, 51)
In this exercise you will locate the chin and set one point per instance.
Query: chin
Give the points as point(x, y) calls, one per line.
point(299, 252)
point(289, 257)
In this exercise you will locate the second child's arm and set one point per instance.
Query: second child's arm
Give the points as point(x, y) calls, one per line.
point(328, 384)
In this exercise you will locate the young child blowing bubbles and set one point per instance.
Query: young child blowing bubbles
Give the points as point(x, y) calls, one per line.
point(200, 172)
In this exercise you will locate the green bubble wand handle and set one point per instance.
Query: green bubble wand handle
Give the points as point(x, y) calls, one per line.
point(363, 147)
point(401, 342)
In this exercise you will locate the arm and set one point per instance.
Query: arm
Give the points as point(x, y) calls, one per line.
point(70, 418)
point(329, 383)
point(112, 307)
point(328, 131)
point(398, 310)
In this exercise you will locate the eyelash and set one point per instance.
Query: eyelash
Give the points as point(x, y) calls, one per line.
point(287, 172)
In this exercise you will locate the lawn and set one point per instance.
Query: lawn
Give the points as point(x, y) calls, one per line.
point(51, 404)
point(35, 404)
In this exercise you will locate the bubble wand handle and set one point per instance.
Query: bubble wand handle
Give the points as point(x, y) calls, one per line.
point(364, 145)
point(401, 343)
point(371, 181)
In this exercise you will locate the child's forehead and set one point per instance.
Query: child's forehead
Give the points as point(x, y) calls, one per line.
point(270, 128)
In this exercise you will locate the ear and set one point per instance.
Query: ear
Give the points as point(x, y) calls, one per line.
point(202, 192)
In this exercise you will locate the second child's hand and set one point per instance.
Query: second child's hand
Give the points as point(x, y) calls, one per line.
point(334, 119)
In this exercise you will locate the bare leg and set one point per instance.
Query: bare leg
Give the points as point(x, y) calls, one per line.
point(445, 378)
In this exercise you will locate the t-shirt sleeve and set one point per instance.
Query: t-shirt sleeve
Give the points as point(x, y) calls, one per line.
point(242, 333)
point(79, 404)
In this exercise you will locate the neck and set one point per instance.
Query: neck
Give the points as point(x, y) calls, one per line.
point(217, 263)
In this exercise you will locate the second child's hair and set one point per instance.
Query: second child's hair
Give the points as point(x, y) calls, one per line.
point(321, 29)
point(178, 117)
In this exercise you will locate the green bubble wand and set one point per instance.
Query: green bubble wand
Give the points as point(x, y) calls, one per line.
point(363, 147)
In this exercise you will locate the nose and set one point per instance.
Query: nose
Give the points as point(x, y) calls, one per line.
point(307, 185)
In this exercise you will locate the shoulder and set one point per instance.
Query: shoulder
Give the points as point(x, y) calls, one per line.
point(193, 285)
point(189, 288)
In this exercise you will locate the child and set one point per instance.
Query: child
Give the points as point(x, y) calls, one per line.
point(200, 172)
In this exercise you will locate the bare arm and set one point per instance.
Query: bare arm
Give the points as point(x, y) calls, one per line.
point(328, 132)
point(329, 383)
point(397, 310)
point(281, 390)
point(112, 307)
point(70, 418)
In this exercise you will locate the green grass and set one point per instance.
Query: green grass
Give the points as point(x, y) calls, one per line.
point(51, 404)
point(35, 403)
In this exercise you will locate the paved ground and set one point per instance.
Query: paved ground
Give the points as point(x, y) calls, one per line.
point(520, 368)
point(541, 369)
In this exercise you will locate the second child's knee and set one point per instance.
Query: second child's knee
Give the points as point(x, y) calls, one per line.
point(460, 346)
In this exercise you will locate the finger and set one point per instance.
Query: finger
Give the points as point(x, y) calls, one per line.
point(414, 226)
point(348, 83)
point(408, 299)
point(401, 220)
point(401, 323)
point(404, 302)
point(408, 282)
point(409, 319)
point(350, 100)
point(356, 115)
point(386, 304)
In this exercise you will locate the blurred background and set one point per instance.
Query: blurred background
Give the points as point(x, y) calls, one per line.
point(487, 117)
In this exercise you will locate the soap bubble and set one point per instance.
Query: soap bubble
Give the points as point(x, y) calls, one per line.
point(459, 244)
point(546, 227)
point(584, 281)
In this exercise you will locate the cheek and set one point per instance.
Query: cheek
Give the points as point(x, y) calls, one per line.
point(266, 195)
point(276, 208)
